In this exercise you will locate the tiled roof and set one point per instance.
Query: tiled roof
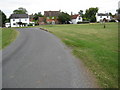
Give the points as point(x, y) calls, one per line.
point(51, 13)
point(74, 16)
point(103, 14)
point(19, 16)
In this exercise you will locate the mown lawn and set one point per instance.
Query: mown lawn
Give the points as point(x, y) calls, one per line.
point(95, 46)
point(7, 35)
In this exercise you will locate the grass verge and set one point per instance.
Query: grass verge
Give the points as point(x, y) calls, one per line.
point(96, 46)
point(7, 35)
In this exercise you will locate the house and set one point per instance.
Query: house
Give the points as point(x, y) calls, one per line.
point(76, 18)
point(41, 20)
point(117, 17)
point(103, 16)
point(52, 16)
point(31, 17)
point(19, 20)
point(7, 25)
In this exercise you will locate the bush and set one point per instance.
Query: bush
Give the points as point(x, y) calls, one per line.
point(112, 21)
point(83, 22)
point(30, 24)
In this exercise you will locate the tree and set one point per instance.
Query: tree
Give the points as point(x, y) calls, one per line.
point(90, 14)
point(20, 11)
point(2, 19)
point(118, 11)
point(80, 12)
point(64, 18)
point(37, 15)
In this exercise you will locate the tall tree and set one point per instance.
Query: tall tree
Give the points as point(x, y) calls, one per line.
point(64, 17)
point(90, 14)
point(118, 11)
point(2, 18)
point(37, 15)
point(20, 10)
point(80, 12)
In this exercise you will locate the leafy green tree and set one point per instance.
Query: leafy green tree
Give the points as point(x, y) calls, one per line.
point(80, 12)
point(90, 14)
point(37, 15)
point(20, 10)
point(118, 11)
point(64, 17)
point(2, 19)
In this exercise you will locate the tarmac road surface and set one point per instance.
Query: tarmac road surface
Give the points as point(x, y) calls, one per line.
point(38, 59)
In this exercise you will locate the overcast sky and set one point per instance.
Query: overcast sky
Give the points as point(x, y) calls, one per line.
point(33, 6)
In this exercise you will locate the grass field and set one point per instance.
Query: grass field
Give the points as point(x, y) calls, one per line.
point(95, 46)
point(7, 35)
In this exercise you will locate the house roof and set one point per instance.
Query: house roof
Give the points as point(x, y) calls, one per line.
point(103, 14)
point(75, 16)
point(51, 13)
point(31, 16)
point(19, 16)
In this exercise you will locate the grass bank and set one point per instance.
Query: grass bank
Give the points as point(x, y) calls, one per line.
point(7, 35)
point(96, 46)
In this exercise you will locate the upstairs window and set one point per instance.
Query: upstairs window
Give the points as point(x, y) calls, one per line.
point(13, 19)
point(19, 20)
point(52, 17)
point(100, 16)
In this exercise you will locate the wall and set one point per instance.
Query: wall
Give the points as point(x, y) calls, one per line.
point(99, 19)
point(23, 20)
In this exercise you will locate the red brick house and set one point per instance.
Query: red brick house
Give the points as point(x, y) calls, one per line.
point(52, 16)
point(41, 20)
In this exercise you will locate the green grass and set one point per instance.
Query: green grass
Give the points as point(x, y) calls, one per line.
point(7, 35)
point(95, 46)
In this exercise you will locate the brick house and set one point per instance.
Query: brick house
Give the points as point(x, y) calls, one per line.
point(41, 20)
point(51, 17)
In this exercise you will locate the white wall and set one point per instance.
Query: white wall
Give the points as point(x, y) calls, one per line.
point(100, 19)
point(74, 21)
point(14, 21)
point(7, 24)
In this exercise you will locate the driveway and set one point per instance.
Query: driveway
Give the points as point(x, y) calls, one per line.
point(38, 59)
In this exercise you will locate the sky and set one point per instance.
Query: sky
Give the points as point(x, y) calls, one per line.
point(34, 6)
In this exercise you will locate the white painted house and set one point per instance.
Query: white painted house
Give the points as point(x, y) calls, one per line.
point(7, 25)
point(19, 20)
point(76, 18)
point(101, 16)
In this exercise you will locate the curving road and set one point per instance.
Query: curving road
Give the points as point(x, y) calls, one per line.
point(37, 59)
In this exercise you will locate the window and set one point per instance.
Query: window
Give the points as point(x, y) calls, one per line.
point(79, 18)
point(52, 17)
point(13, 19)
point(107, 16)
point(100, 16)
point(14, 24)
point(19, 20)
point(25, 19)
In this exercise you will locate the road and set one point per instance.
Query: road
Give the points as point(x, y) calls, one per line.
point(38, 59)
